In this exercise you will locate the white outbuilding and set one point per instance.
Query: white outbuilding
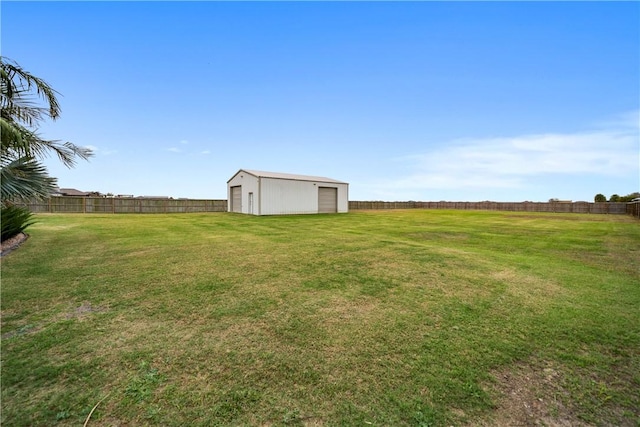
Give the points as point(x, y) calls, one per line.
point(270, 193)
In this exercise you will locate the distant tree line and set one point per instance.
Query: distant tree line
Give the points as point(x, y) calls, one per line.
point(616, 198)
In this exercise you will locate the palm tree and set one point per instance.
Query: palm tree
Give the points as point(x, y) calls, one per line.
point(23, 176)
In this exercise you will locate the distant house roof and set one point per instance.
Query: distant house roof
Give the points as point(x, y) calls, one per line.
point(294, 177)
point(72, 192)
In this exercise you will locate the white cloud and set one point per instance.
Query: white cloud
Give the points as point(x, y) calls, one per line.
point(174, 150)
point(184, 141)
point(499, 163)
point(98, 151)
point(205, 152)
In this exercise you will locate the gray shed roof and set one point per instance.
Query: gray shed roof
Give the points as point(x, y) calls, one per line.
point(294, 177)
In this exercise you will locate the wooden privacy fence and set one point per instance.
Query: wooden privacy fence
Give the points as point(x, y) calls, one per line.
point(124, 205)
point(155, 205)
point(560, 207)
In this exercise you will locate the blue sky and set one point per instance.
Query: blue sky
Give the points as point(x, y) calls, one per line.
point(504, 101)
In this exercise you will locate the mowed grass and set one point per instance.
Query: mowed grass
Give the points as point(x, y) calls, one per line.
point(412, 317)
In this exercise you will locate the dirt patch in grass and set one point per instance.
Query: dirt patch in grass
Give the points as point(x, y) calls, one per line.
point(83, 310)
point(530, 395)
point(23, 330)
point(78, 313)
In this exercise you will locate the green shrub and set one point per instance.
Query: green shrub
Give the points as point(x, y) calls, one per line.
point(14, 220)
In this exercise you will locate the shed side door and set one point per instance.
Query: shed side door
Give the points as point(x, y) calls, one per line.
point(236, 199)
point(327, 200)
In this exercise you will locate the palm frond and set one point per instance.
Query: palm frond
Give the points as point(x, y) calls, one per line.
point(22, 175)
point(24, 142)
point(11, 134)
point(15, 82)
point(67, 152)
point(24, 178)
point(15, 219)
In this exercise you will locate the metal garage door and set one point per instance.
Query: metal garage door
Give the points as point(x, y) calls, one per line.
point(327, 199)
point(236, 199)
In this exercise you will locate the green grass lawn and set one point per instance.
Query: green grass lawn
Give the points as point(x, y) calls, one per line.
point(413, 317)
